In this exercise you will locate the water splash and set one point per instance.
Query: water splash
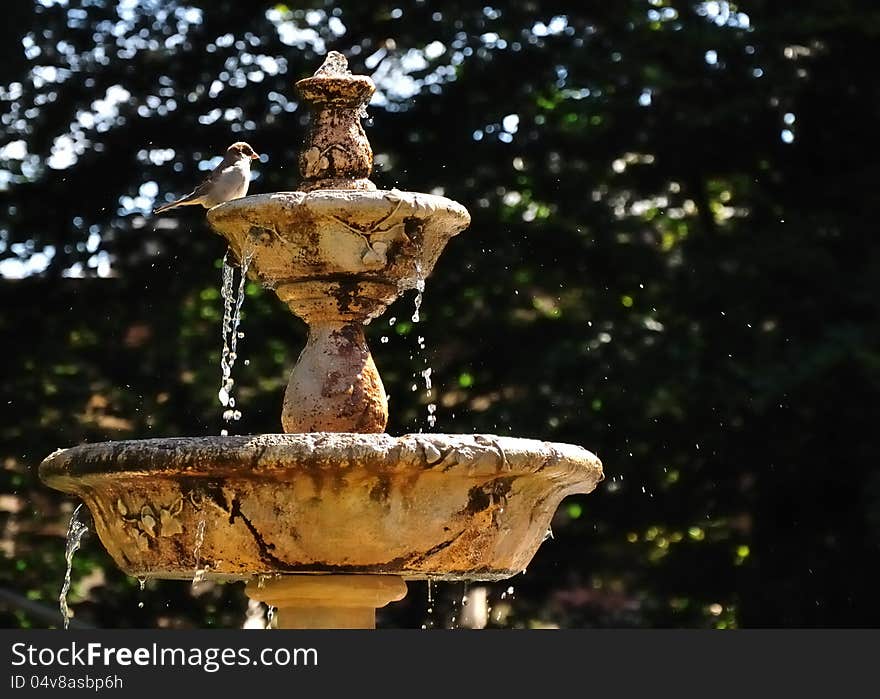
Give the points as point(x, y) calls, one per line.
point(475, 607)
point(255, 616)
point(270, 616)
point(142, 582)
point(76, 530)
point(233, 298)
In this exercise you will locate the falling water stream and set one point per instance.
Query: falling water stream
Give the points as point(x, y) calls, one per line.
point(200, 571)
point(420, 290)
point(430, 622)
point(233, 298)
point(76, 530)
point(418, 283)
point(432, 407)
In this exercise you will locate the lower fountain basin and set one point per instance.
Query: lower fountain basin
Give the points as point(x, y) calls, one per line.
point(437, 506)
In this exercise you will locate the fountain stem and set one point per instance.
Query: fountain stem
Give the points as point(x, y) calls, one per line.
point(335, 386)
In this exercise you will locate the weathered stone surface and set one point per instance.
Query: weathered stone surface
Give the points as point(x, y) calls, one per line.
point(448, 507)
point(339, 255)
point(335, 386)
point(336, 153)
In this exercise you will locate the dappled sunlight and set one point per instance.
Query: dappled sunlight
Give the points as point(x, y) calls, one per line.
point(92, 43)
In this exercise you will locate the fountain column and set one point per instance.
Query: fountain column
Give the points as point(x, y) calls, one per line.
point(328, 601)
point(335, 386)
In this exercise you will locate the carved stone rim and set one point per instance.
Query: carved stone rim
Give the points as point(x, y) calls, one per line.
point(340, 202)
point(278, 456)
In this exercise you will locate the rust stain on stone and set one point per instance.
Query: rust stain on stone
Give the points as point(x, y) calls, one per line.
point(491, 494)
point(381, 491)
point(346, 293)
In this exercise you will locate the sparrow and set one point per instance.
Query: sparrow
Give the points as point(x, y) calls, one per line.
point(229, 180)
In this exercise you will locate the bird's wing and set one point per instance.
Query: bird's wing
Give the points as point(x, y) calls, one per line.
point(206, 184)
point(201, 191)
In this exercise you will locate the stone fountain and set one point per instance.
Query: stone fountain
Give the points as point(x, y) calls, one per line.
point(327, 521)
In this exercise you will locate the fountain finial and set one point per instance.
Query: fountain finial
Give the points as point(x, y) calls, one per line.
point(335, 65)
point(336, 153)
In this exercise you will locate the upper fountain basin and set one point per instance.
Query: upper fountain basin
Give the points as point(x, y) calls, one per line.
point(430, 505)
point(339, 254)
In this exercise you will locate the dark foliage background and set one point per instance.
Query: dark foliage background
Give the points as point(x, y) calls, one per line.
point(673, 262)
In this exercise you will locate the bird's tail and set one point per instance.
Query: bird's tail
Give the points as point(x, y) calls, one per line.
point(188, 200)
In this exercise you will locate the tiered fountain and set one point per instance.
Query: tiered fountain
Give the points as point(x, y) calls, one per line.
point(329, 520)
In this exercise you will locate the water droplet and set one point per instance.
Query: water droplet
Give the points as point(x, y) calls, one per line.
point(426, 375)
